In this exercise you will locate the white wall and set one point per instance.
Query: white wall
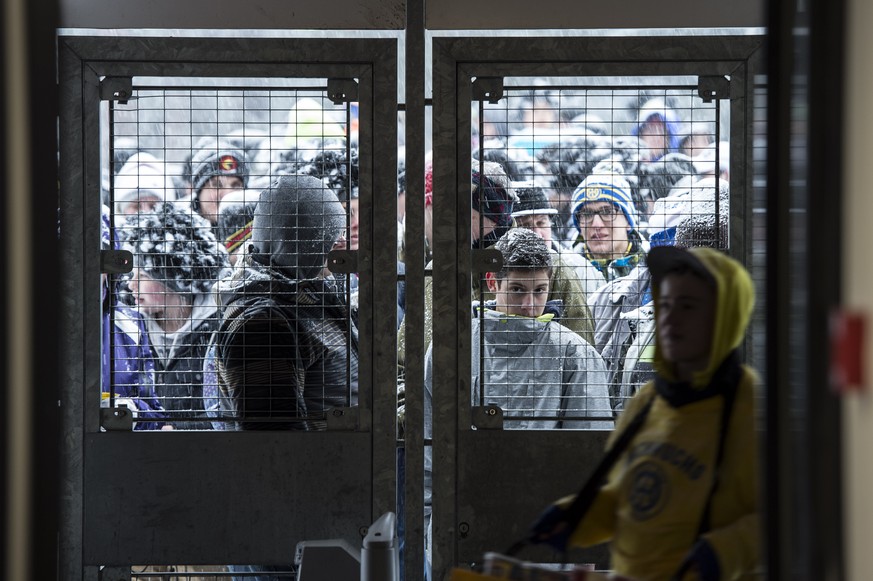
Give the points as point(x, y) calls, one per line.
point(390, 14)
point(857, 285)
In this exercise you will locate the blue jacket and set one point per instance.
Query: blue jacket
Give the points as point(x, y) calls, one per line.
point(128, 366)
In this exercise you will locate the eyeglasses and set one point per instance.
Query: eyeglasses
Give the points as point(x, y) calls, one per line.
point(606, 213)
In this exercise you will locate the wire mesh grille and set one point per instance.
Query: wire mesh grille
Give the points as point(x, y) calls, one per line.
point(601, 171)
point(230, 318)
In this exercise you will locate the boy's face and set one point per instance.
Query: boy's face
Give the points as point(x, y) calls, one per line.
point(604, 228)
point(541, 224)
point(685, 322)
point(153, 298)
point(522, 292)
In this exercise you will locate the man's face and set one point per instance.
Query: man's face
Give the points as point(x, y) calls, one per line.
point(541, 224)
point(685, 322)
point(604, 228)
point(522, 292)
point(213, 192)
point(153, 298)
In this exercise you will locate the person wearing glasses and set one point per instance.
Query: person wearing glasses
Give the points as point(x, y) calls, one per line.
point(605, 216)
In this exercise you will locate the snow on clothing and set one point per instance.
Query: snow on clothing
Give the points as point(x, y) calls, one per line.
point(175, 247)
point(536, 366)
point(624, 333)
point(179, 360)
point(563, 285)
point(212, 401)
point(286, 349)
point(533, 366)
point(652, 504)
point(128, 366)
point(613, 268)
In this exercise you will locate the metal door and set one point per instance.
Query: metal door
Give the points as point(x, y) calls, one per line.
point(489, 484)
point(212, 497)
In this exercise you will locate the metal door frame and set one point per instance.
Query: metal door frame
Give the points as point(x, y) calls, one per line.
point(456, 63)
point(116, 514)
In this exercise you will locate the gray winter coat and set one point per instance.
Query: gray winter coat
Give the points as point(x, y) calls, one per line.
point(534, 368)
point(619, 324)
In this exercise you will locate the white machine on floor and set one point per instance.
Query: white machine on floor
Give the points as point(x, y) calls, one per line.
point(338, 560)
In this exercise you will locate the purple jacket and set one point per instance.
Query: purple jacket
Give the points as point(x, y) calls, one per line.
point(129, 368)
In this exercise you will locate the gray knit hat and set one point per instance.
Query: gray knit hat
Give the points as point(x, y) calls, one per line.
point(213, 158)
point(175, 247)
point(297, 222)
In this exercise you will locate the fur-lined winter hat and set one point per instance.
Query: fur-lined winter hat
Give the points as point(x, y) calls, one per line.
point(297, 222)
point(216, 157)
point(143, 176)
point(175, 247)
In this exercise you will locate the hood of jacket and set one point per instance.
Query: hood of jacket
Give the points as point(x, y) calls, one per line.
point(735, 302)
point(253, 279)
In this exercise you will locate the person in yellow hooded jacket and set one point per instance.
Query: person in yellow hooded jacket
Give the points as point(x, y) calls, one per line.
point(680, 499)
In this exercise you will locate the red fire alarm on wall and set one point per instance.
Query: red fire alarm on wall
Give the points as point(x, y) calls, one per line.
point(847, 338)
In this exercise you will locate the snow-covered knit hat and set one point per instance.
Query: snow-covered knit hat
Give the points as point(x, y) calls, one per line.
point(531, 200)
point(606, 184)
point(236, 211)
point(142, 176)
point(686, 201)
point(175, 247)
point(297, 222)
point(216, 157)
point(336, 171)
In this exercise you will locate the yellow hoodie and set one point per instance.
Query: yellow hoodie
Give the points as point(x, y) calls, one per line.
point(652, 504)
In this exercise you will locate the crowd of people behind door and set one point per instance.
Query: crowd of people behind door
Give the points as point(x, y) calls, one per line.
point(231, 318)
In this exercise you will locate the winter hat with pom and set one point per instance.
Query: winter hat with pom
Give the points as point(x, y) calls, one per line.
point(606, 184)
point(297, 222)
point(216, 157)
point(142, 176)
point(175, 247)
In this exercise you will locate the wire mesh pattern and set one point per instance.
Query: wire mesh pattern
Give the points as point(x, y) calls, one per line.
point(229, 200)
point(205, 332)
point(601, 171)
